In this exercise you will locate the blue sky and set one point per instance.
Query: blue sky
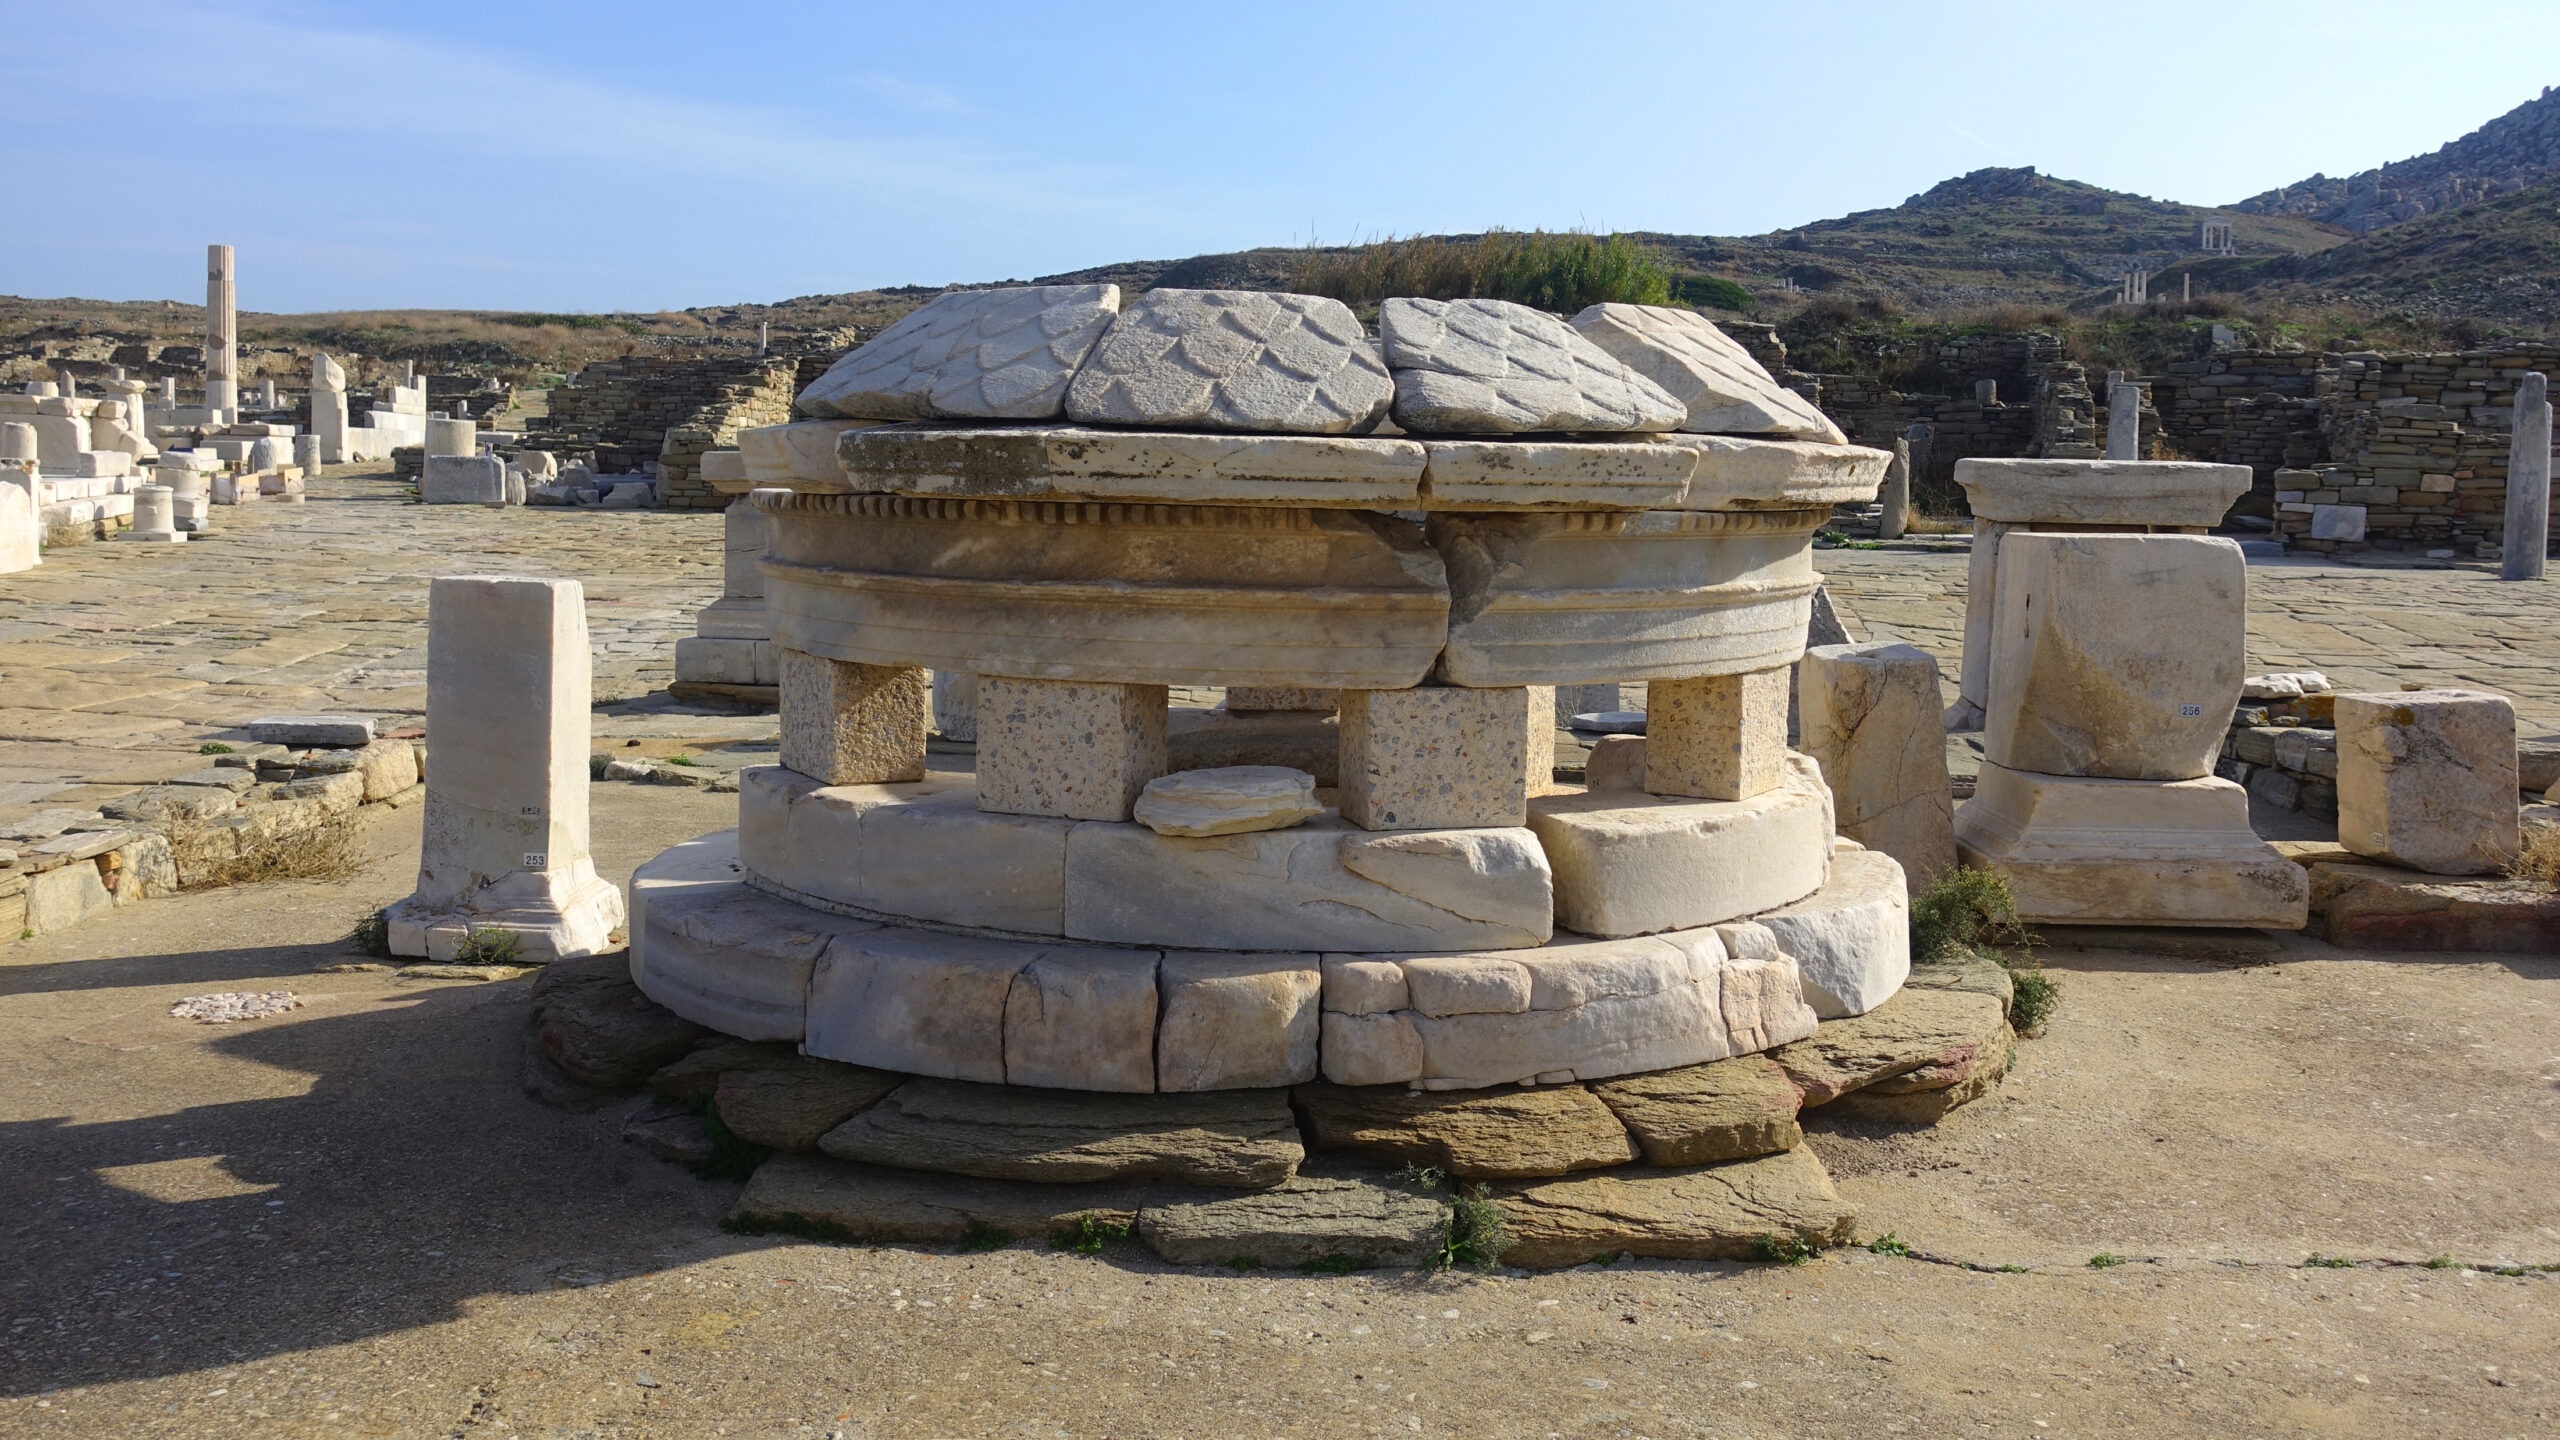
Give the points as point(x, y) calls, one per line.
point(657, 154)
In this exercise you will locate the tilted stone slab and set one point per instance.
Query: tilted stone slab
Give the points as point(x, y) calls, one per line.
point(1638, 473)
point(1330, 1210)
point(1725, 390)
point(1713, 1212)
point(1312, 885)
point(1586, 597)
point(1702, 1114)
point(815, 1195)
point(787, 1107)
point(1472, 1134)
point(1077, 462)
point(1095, 592)
point(1244, 1139)
point(920, 851)
point(1493, 367)
point(972, 354)
point(1233, 360)
point(1944, 1031)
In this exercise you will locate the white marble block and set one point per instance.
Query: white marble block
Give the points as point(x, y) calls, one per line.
point(1868, 715)
point(155, 516)
point(463, 480)
point(1437, 757)
point(2117, 657)
point(2080, 851)
point(1067, 748)
point(955, 705)
point(1628, 863)
point(2428, 779)
point(1851, 939)
point(849, 724)
point(452, 437)
point(508, 675)
point(1717, 737)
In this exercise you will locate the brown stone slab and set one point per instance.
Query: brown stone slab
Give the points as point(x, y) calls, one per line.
point(1510, 1133)
point(1701, 1114)
point(831, 1199)
point(1914, 1029)
point(2383, 907)
point(1710, 1212)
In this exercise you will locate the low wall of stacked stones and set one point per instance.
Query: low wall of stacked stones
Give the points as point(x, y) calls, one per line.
point(644, 410)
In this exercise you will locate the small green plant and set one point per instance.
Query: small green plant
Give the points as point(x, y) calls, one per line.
point(1088, 1235)
point(1602, 1258)
point(1970, 913)
point(682, 760)
point(596, 761)
point(2010, 1270)
point(1833, 537)
point(2441, 1262)
point(487, 946)
point(978, 1237)
point(1784, 1249)
point(2032, 998)
point(1243, 1263)
point(1478, 1234)
point(731, 1157)
point(1888, 1243)
point(372, 935)
point(214, 747)
point(2329, 1262)
point(2105, 1260)
point(1333, 1265)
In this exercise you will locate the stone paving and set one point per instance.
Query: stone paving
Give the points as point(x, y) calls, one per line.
point(118, 661)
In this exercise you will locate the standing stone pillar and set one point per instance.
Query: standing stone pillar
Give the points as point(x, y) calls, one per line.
point(1869, 722)
point(329, 409)
point(267, 393)
point(452, 437)
point(169, 391)
point(155, 516)
point(2124, 422)
point(2528, 534)
point(508, 688)
point(1895, 497)
point(221, 334)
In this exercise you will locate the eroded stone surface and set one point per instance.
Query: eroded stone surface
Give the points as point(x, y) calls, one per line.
point(1434, 758)
point(2076, 851)
point(849, 724)
point(592, 1022)
point(1701, 1114)
point(788, 1106)
point(1489, 366)
point(1945, 1032)
point(1471, 1134)
point(972, 354)
point(1237, 1138)
point(1083, 1018)
point(1724, 390)
point(1712, 1212)
point(1233, 360)
point(1717, 737)
point(1068, 749)
point(813, 1194)
point(1868, 715)
point(1851, 939)
point(1233, 1021)
point(1330, 1210)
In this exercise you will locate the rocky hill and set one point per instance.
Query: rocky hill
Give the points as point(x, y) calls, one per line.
point(2494, 263)
point(2518, 149)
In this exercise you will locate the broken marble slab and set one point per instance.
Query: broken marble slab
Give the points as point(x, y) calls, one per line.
point(1231, 800)
point(1630, 474)
point(1738, 472)
point(1493, 367)
point(1233, 360)
point(1726, 391)
point(797, 456)
point(971, 355)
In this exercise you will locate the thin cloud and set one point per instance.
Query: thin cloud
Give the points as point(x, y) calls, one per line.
point(897, 92)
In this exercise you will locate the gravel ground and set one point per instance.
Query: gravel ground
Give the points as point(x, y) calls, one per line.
point(348, 1220)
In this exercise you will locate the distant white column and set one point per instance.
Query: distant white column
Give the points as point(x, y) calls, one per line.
point(1895, 494)
point(329, 409)
point(267, 393)
point(221, 332)
point(764, 335)
point(2528, 530)
point(2124, 422)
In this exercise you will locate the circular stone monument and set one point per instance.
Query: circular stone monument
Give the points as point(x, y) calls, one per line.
point(1200, 489)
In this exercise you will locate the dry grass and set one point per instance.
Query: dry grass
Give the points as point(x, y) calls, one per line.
point(1920, 524)
point(2539, 860)
point(326, 852)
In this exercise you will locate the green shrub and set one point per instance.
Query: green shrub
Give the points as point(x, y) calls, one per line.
point(372, 935)
point(488, 947)
point(2103, 1260)
point(1554, 271)
point(1784, 1249)
point(1888, 1243)
point(1088, 1235)
point(1714, 291)
point(214, 747)
point(1970, 912)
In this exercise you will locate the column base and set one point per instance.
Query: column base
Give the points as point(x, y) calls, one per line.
point(582, 924)
point(2078, 851)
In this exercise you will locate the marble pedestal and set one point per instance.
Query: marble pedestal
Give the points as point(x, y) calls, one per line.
point(2078, 851)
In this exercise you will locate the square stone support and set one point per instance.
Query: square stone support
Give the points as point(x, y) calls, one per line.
point(1067, 748)
point(505, 845)
point(848, 724)
point(1437, 757)
point(1716, 737)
